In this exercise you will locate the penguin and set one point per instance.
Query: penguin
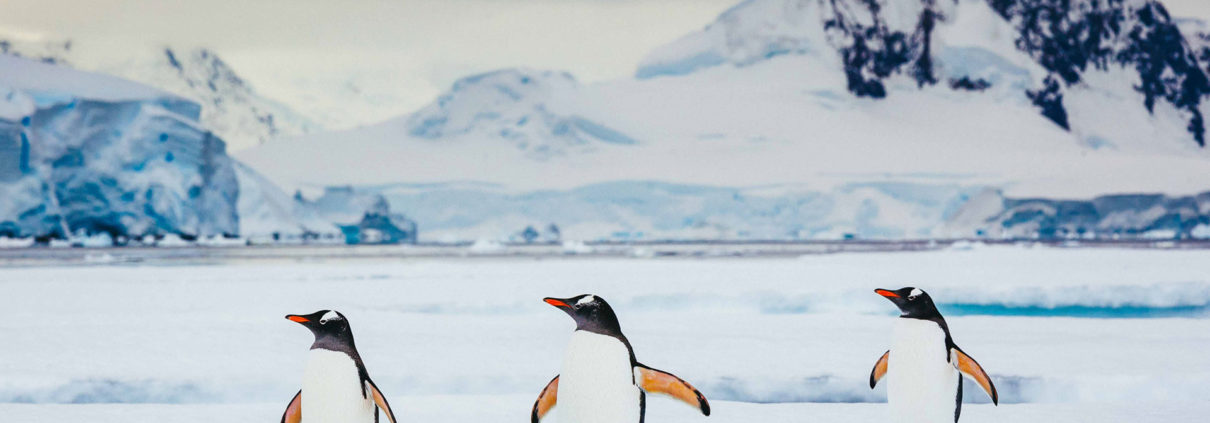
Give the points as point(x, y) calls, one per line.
point(335, 382)
point(924, 364)
point(601, 382)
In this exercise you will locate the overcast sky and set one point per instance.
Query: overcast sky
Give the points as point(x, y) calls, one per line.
point(427, 43)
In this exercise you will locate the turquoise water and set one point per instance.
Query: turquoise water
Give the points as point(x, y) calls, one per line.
point(1106, 312)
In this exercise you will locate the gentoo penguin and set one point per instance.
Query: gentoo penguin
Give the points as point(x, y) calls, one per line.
point(601, 380)
point(335, 382)
point(924, 364)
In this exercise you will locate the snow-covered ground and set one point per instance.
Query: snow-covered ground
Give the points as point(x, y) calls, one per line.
point(1067, 334)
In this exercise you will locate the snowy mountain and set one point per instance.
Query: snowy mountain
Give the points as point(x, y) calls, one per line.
point(517, 105)
point(85, 154)
point(1073, 49)
point(812, 103)
point(230, 107)
point(1197, 34)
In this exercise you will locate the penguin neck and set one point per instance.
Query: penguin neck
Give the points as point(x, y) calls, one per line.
point(932, 316)
point(342, 342)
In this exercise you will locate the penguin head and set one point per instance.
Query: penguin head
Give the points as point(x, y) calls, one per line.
point(590, 312)
point(913, 302)
point(323, 323)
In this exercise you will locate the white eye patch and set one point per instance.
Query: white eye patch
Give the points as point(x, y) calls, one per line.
point(916, 292)
point(586, 300)
point(330, 315)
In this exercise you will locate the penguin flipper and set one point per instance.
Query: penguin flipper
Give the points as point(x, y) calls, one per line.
point(879, 369)
point(546, 400)
point(971, 368)
point(381, 400)
point(293, 412)
point(661, 382)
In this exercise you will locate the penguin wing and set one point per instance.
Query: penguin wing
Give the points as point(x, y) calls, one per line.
point(661, 382)
point(879, 369)
point(971, 368)
point(293, 412)
point(381, 400)
point(546, 400)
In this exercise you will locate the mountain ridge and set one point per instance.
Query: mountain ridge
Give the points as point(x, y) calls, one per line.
point(874, 42)
point(231, 107)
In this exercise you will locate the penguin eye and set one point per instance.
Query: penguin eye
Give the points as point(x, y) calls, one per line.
point(911, 298)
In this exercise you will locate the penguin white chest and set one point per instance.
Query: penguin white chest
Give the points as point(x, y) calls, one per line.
point(596, 384)
point(332, 391)
point(922, 385)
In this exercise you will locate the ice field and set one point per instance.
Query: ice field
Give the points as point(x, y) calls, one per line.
point(1068, 335)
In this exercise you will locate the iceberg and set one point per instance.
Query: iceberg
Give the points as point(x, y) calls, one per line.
point(84, 154)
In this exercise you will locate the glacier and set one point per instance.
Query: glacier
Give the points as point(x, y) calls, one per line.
point(85, 154)
point(653, 211)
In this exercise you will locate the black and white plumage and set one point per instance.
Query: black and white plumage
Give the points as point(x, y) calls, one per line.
point(336, 385)
point(924, 365)
point(601, 381)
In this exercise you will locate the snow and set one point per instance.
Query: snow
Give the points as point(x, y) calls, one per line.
point(515, 408)
point(787, 116)
point(486, 246)
point(41, 80)
point(977, 43)
point(751, 31)
point(576, 247)
point(6, 242)
point(171, 240)
point(1108, 334)
point(265, 210)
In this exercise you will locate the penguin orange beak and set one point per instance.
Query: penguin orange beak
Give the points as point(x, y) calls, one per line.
point(886, 293)
point(556, 302)
point(297, 319)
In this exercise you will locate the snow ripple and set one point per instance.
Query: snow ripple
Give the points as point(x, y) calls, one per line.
point(1184, 299)
point(823, 388)
point(94, 391)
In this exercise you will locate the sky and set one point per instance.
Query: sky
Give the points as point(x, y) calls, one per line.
point(414, 48)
